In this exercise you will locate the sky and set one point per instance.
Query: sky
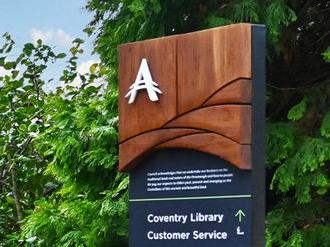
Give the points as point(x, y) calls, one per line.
point(56, 22)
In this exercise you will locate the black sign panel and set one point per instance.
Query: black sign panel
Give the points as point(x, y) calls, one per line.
point(181, 197)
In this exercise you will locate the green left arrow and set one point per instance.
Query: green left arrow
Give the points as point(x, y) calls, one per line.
point(240, 214)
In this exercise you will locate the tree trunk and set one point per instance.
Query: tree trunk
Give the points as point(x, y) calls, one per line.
point(16, 191)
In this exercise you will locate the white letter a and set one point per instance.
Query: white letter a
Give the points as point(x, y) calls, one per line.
point(143, 81)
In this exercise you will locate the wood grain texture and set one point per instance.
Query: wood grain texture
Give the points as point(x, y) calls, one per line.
point(227, 120)
point(137, 146)
point(209, 59)
point(144, 115)
point(239, 91)
point(205, 78)
point(238, 155)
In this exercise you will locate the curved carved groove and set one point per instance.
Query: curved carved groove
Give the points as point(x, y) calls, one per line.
point(167, 124)
point(236, 154)
point(232, 121)
point(208, 60)
point(135, 147)
point(236, 91)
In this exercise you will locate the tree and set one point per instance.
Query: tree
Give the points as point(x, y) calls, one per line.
point(73, 148)
point(298, 93)
point(63, 147)
point(90, 208)
point(22, 102)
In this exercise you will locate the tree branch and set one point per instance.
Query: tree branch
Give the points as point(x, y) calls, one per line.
point(15, 189)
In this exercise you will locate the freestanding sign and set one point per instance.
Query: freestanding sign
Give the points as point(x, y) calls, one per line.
point(191, 133)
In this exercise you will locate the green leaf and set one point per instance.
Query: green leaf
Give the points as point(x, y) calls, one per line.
point(15, 73)
point(73, 50)
point(2, 61)
point(61, 55)
point(28, 48)
point(278, 14)
point(10, 200)
point(296, 240)
point(93, 68)
point(137, 7)
point(215, 21)
point(78, 41)
point(325, 126)
point(298, 111)
point(246, 11)
point(89, 30)
point(9, 65)
point(281, 139)
point(326, 55)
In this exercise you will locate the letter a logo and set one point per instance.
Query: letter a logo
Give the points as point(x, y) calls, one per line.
point(143, 81)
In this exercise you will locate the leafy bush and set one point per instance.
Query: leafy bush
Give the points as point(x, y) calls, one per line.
point(58, 151)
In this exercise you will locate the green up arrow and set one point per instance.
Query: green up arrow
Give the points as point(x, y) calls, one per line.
point(240, 214)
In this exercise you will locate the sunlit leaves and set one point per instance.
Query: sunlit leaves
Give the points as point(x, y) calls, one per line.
point(80, 144)
point(22, 102)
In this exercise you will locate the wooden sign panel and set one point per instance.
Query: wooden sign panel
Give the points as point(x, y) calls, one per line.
point(201, 91)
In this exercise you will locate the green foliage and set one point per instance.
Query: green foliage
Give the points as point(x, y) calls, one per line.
point(325, 126)
point(246, 11)
point(298, 111)
point(326, 55)
point(305, 224)
point(215, 21)
point(281, 138)
point(278, 16)
point(136, 19)
point(62, 149)
point(75, 222)
point(21, 116)
point(81, 143)
point(305, 170)
point(297, 135)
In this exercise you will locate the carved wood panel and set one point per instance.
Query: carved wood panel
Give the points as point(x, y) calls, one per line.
point(205, 80)
point(144, 115)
